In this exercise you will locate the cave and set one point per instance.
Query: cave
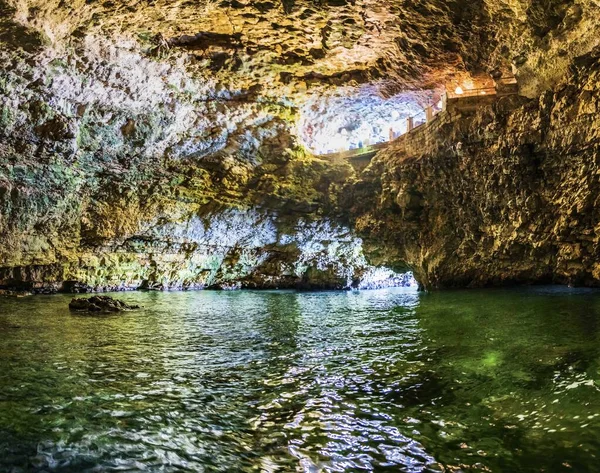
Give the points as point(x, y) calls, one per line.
point(269, 204)
point(356, 119)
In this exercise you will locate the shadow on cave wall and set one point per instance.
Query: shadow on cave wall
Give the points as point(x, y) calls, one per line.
point(13, 34)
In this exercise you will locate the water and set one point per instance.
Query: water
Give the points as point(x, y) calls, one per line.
point(498, 380)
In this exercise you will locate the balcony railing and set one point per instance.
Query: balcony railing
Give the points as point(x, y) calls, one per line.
point(425, 117)
point(472, 93)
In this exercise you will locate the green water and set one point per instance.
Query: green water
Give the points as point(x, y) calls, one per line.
point(498, 380)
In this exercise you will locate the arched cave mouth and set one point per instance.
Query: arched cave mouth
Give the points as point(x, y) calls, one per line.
point(350, 118)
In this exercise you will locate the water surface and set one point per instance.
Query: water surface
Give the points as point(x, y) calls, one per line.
point(394, 380)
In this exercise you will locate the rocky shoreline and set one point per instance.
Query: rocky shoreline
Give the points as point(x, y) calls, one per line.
point(30, 289)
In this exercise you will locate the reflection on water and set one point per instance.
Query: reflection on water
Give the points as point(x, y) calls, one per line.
point(498, 380)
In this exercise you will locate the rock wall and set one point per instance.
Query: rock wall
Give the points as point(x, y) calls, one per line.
point(153, 144)
point(510, 195)
point(118, 171)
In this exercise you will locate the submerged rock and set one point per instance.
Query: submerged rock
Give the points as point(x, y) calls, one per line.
point(100, 304)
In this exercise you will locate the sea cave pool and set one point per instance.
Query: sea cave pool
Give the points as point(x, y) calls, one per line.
point(391, 380)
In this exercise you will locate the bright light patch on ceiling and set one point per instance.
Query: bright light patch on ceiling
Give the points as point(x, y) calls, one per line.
point(341, 122)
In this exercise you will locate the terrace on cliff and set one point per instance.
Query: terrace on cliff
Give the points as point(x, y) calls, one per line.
point(457, 102)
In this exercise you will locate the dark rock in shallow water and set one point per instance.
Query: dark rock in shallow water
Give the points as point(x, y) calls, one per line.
point(11, 293)
point(100, 304)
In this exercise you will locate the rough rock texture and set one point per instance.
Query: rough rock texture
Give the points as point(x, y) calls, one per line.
point(100, 304)
point(282, 48)
point(510, 195)
point(119, 172)
point(542, 38)
point(279, 47)
point(155, 144)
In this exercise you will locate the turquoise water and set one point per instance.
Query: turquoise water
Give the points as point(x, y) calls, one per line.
point(394, 380)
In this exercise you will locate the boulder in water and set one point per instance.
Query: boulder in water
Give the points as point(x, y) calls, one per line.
point(100, 304)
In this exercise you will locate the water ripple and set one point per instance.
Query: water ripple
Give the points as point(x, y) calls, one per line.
point(316, 382)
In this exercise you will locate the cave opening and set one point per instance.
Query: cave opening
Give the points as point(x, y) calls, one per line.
point(353, 118)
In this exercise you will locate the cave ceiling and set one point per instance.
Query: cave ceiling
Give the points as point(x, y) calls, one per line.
point(291, 48)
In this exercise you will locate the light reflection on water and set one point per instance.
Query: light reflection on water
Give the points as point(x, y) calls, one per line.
point(499, 380)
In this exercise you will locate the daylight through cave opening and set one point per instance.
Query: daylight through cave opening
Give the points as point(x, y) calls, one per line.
point(350, 118)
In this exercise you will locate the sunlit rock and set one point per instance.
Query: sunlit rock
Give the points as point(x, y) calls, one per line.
point(352, 119)
point(172, 145)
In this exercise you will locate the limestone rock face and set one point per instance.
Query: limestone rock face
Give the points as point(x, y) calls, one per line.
point(508, 195)
point(285, 48)
point(118, 171)
point(156, 144)
point(277, 48)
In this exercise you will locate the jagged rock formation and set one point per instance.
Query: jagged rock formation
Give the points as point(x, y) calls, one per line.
point(154, 144)
point(277, 47)
point(121, 172)
point(281, 48)
point(508, 195)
